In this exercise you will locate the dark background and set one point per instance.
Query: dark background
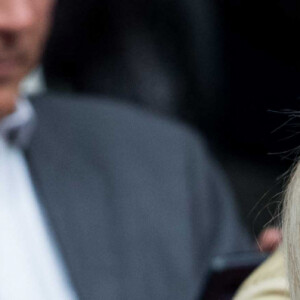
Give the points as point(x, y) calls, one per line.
point(229, 68)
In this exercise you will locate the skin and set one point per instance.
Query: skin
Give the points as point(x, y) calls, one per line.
point(269, 239)
point(24, 27)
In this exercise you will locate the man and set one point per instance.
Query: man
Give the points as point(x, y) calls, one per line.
point(97, 200)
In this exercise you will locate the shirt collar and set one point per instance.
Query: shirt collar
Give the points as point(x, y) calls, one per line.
point(18, 127)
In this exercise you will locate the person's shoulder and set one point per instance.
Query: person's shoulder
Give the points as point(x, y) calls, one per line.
point(267, 282)
point(113, 114)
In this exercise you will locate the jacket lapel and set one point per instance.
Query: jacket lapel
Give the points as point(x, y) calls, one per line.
point(69, 189)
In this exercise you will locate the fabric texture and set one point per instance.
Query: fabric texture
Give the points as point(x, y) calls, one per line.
point(137, 205)
point(268, 282)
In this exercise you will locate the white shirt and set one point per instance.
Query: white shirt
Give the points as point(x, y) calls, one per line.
point(30, 265)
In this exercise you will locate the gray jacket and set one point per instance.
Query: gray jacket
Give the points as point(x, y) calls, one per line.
point(137, 206)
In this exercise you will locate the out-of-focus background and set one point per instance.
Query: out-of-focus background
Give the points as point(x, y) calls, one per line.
point(229, 68)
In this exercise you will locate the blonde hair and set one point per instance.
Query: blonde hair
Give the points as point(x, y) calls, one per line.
point(291, 233)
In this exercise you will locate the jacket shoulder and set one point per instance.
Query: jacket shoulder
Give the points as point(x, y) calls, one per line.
point(111, 116)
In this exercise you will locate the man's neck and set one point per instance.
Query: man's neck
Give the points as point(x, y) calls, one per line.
point(8, 100)
point(32, 84)
point(18, 126)
point(6, 109)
